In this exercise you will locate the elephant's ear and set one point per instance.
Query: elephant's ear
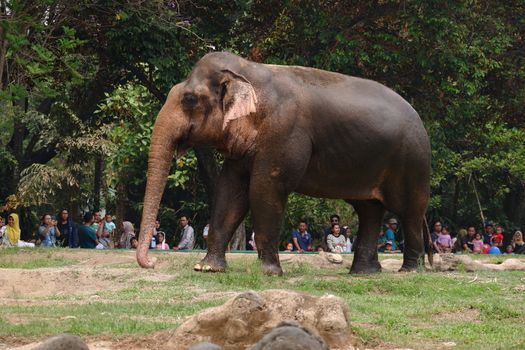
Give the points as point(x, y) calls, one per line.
point(238, 97)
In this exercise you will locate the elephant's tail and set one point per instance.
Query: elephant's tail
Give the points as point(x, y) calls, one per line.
point(427, 238)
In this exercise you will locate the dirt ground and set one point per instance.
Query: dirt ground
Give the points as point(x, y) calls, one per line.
point(104, 272)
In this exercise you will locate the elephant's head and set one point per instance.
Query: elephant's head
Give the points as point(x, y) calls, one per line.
point(211, 107)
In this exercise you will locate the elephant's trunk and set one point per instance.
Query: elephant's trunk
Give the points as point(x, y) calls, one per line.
point(169, 127)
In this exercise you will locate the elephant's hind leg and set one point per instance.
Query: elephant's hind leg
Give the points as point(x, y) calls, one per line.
point(412, 224)
point(229, 209)
point(370, 215)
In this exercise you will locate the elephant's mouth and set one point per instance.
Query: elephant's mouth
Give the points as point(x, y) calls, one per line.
point(182, 145)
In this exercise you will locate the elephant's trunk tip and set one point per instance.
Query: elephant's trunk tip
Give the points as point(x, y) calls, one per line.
point(146, 263)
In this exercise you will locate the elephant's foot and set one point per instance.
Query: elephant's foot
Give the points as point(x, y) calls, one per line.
point(211, 265)
point(407, 269)
point(412, 265)
point(272, 269)
point(365, 268)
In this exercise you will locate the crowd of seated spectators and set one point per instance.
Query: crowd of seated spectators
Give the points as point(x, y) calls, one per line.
point(98, 232)
point(95, 232)
point(472, 240)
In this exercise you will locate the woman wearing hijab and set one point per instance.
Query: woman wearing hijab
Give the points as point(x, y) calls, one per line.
point(125, 238)
point(162, 245)
point(11, 233)
point(517, 243)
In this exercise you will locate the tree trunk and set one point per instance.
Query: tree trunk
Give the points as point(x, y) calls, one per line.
point(238, 241)
point(97, 182)
point(120, 208)
point(514, 203)
point(455, 200)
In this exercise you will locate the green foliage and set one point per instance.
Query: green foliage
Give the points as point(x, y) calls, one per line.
point(316, 212)
point(458, 64)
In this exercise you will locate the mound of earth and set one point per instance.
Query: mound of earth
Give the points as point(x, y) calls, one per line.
point(243, 320)
point(452, 262)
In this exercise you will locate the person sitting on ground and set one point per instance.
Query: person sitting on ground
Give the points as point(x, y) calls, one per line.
point(335, 241)
point(87, 236)
point(444, 241)
point(497, 238)
point(457, 246)
point(187, 235)
point(48, 231)
point(435, 234)
point(390, 233)
point(301, 238)
point(157, 227)
point(466, 243)
point(134, 243)
point(161, 241)
point(97, 217)
point(11, 233)
point(105, 229)
point(127, 235)
point(389, 248)
point(509, 249)
point(288, 247)
point(381, 242)
point(251, 243)
point(334, 219)
point(68, 230)
point(489, 230)
point(2, 223)
point(517, 243)
point(205, 236)
point(477, 244)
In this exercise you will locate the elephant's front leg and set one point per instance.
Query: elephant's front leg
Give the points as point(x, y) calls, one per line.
point(229, 208)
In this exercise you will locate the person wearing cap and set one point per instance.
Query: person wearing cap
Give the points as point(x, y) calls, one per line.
point(390, 233)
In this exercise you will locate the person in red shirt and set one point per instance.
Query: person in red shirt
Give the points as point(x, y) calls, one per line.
point(497, 238)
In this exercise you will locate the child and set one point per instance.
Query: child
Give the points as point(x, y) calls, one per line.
point(509, 249)
point(162, 245)
point(289, 247)
point(134, 243)
point(335, 241)
point(444, 241)
point(109, 225)
point(477, 244)
point(497, 238)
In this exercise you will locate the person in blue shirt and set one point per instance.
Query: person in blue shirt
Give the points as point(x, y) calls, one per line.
point(302, 240)
point(87, 236)
point(390, 233)
point(48, 231)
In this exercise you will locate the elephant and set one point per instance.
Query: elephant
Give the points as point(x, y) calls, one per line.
point(285, 129)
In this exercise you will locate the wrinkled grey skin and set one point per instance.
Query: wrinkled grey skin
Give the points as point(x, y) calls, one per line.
point(63, 342)
point(290, 336)
point(286, 129)
point(205, 346)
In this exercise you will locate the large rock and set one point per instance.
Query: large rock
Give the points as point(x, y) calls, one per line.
point(452, 262)
point(246, 318)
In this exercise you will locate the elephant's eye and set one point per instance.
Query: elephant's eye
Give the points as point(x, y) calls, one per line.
point(189, 101)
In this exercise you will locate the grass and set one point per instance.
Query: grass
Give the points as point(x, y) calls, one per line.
point(484, 310)
point(38, 258)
